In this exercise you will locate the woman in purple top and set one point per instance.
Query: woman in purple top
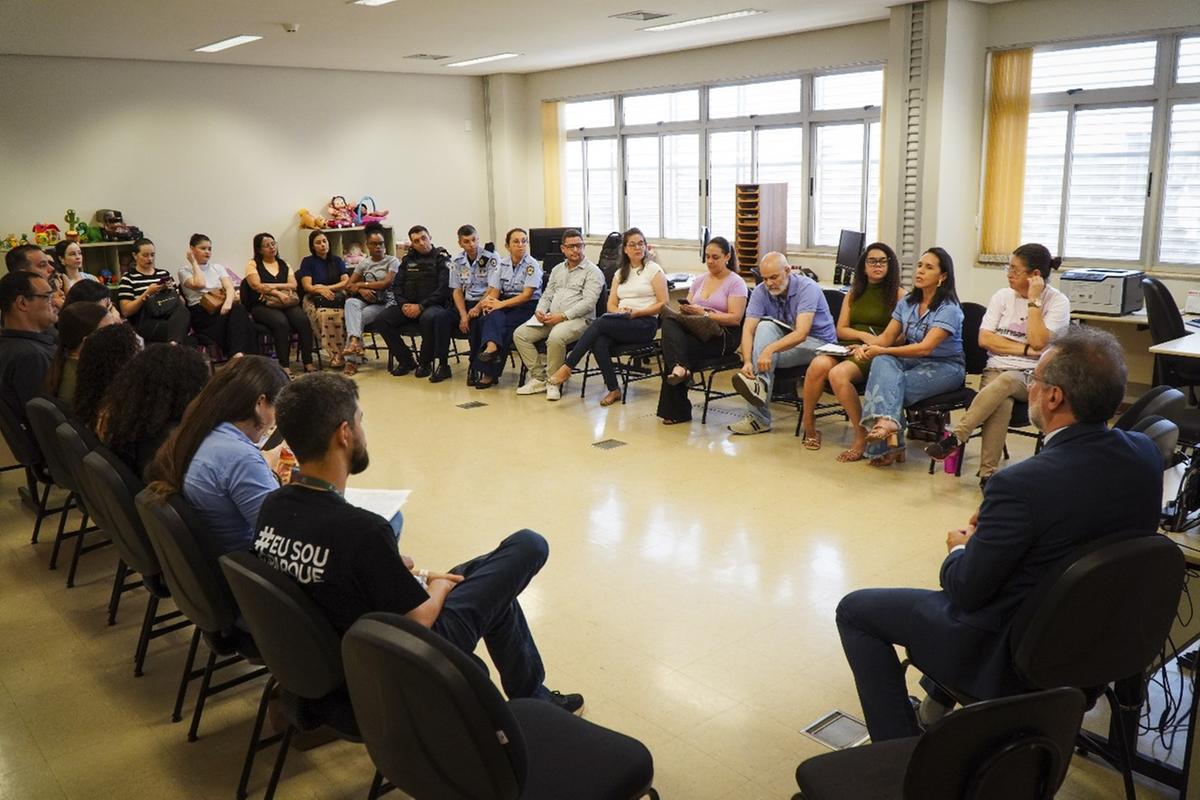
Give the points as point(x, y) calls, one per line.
point(720, 296)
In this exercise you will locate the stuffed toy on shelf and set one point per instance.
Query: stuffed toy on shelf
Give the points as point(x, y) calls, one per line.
point(77, 229)
point(310, 220)
point(45, 233)
point(365, 212)
point(340, 215)
point(113, 227)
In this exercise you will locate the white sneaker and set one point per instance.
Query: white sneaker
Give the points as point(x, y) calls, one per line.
point(534, 386)
point(748, 426)
point(754, 390)
point(553, 391)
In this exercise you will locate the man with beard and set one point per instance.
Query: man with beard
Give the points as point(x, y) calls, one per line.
point(1088, 482)
point(345, 558)
point(787, 319)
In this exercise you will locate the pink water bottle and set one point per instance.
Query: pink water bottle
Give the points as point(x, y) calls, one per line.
point(950, 463)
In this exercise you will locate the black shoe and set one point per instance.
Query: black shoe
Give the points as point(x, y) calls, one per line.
point(422, 371)
point(481, 385)
point(938, 451)
point(403, 369)
point(571, 703)
point(487, 357)
point(472, 379)
point(440, 374)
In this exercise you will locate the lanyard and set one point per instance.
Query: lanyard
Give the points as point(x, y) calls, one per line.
point(316, 483)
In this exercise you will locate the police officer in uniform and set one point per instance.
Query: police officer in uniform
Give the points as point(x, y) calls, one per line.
point(469, 273)
point(420, 297)
point(513, 291)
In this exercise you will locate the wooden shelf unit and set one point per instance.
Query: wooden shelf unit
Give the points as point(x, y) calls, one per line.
point(341, 238)
point(761, 222)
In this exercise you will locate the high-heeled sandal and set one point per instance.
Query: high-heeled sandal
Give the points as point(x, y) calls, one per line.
point(881, 431)
point(895, 454)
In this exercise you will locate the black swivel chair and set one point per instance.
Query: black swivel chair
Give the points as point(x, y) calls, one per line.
point(1014, 748)
point(436, 727)
point(1166, 323)
point(113, 487)
point(929, 418)
point(301, 649)
point(45, 416)
point(1169, 403)
point(38, 480)
point(1097, 622)
point(201, 593)
point(1164, 434)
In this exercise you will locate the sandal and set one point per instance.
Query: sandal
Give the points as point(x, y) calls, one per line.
point(349, 368)
point(812, 441)
point(611, 398)
point(337, 361)
point(882, 430)
point(850, 454)
point(674, 378)
point(675, 421)
point(894, 455)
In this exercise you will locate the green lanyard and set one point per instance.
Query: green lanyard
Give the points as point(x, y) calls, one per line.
point(316, 483)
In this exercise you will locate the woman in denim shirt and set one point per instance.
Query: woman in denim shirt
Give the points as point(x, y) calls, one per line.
point(919, 355)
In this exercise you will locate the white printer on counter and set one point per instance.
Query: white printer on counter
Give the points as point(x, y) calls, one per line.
point(1095, 290)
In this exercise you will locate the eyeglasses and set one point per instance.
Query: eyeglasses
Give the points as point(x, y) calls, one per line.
point(1031, 379)
point(37, 296)
point(1015, 270)
point(877, 262)
point(576, 246)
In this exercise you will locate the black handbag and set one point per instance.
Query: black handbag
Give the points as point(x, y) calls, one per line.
point(161, 305)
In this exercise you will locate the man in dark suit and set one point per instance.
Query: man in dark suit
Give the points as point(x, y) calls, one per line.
point(1087, 482)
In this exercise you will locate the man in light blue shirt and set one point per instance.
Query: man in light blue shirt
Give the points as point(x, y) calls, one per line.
point(787, 320)
point(226, 483)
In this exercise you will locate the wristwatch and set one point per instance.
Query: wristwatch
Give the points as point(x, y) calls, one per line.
point(1035, 303)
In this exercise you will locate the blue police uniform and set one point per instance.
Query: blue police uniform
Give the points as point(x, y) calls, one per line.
point(472, 279)
point(498, 326)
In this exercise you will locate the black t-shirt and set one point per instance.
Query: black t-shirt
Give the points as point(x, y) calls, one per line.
point(24, 361)
point(344, 557)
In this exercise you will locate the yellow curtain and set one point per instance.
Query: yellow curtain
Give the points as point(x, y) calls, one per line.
point(1008, 124)
point(552, 147)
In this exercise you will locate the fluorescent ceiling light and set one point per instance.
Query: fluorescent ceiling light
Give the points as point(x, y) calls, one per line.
point(670, 26)
point(370, 2)
point(225, 44)
point(483, 59)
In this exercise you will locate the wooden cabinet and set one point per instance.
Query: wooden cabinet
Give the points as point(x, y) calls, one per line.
point(340, 240)
point(108, 261)
point(761, 222)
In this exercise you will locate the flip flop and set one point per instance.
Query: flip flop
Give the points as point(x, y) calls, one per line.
point(812, 441)
point(850, 454)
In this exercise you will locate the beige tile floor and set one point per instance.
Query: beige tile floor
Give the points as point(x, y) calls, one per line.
point(689, 595)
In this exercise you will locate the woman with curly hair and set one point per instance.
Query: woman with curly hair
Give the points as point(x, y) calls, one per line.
point(100, 359)
point(145, 401)
point(76, 322)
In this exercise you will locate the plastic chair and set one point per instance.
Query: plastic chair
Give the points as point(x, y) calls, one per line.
point(301, 649)
point(436, 727)
point(1014, 748)
point(200, 592)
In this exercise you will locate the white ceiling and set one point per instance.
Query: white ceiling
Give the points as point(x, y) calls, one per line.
point(335, 34)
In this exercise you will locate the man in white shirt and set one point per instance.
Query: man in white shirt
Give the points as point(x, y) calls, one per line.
point(1018, 326)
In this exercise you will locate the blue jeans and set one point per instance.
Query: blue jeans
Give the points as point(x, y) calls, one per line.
point(484, 606)
point(895, 382)
point(498, 326)
point(605, 332)
point(799, 356)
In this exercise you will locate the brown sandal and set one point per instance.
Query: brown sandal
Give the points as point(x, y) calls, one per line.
point(849, 455)
point(880, 431)
point(812, 441)
point(349, 369)
point(611, 398)
point(895, 455)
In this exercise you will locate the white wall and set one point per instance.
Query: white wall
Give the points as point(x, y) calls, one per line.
point(230, 151)
point(1040, 21)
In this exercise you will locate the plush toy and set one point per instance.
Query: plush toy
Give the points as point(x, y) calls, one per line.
point(340, 213)
point(47, 229)
point(11, 241)
point(94, 234)
point(113, 227)
point(353, 255)
point(310, 220)
point(365, 212)
point(77, 229)
point(24, 239)
point(41, 239)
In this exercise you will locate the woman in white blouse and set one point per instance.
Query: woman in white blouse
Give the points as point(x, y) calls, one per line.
point(638, 293)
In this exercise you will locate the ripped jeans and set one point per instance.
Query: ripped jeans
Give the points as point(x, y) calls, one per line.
point(896, 382)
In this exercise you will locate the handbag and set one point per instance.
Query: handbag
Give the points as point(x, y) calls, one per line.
point(211, 301)
point(161, 305)
point(290, 298)
point(338, 301)
point(703, 328)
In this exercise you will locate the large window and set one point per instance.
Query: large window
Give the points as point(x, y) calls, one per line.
point(669, 162)
point(1098, 185)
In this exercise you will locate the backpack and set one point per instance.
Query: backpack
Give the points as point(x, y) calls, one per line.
point(610, 256)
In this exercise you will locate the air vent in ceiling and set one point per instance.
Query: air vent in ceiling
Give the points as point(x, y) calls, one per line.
point(427, 57)
point(640, 16)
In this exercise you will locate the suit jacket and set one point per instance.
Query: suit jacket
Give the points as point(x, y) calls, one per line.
point(1088, 482)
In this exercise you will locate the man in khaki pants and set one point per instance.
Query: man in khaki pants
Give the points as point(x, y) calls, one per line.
point(566, 308)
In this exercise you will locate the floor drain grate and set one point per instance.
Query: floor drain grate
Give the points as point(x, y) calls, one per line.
point(838, 730)
point(472, 404)
point(608, 444)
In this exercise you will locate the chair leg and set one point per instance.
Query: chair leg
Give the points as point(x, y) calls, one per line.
point(114, 599)
point(587, 363)
point(962, 454)
point(139, 654)
point(188, 664)
point(1124, 747)
point(42, 499)
point(376, 785)
point(62, 524)
point(205, 681)
point(79, 550)
point(255, 735)
point(279, 759)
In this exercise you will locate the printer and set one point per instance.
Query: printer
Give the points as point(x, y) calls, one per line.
point(1095, 290)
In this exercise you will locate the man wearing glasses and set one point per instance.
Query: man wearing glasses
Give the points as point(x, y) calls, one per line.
point(567, 307)
point(1088, 482)
point(27, 339)
point(1019, 322)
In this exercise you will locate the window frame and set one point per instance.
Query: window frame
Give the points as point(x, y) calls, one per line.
point(1161, 95)
point(807, 118)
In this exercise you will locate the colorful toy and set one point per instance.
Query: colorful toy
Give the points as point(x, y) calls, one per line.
point(77, 229)
point(24, 239)
point(365, 214)
point(340, 215)
point(41, 239)
point(94, 234)
point(310, 220)
point(353, 255)
point(11, 241)
point(113, 227)
point(48, 230)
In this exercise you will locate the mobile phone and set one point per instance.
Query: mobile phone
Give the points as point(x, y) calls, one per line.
point(164, 280)
point(685, 302)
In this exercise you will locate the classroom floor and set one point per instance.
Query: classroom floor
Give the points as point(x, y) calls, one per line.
point(689, 595)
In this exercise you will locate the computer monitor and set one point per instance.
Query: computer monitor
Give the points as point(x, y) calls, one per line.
point(545, 244)
point(850, 247)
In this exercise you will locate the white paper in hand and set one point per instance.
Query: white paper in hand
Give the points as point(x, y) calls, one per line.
point(384, 502)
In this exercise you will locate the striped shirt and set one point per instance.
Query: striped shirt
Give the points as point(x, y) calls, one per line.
point(133, 283)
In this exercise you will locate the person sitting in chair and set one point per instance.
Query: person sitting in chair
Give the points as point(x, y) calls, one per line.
point(1088, 482)
point(345, 558)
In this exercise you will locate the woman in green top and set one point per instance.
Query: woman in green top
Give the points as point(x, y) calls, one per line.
point(865, 312)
